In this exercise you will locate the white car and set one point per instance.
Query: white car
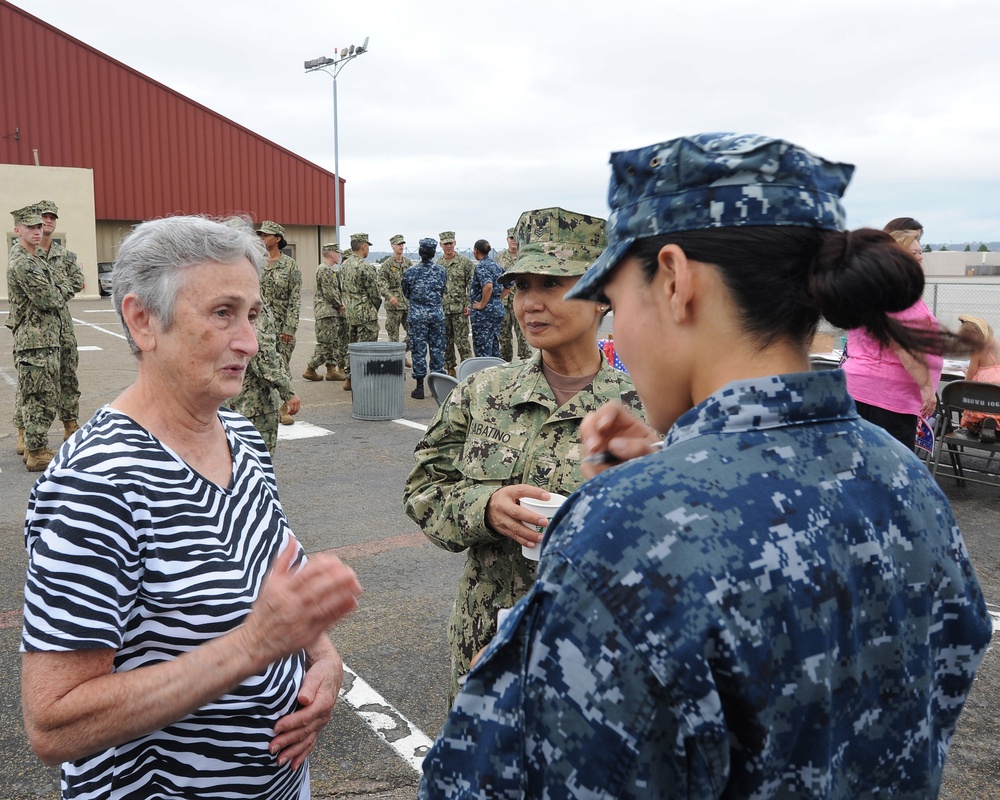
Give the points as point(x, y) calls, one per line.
point(104, 277)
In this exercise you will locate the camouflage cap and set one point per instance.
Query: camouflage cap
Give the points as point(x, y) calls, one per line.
point(331, 247)
point(47, 207)
point(359, 237)
point(26, 216)
point(447, 237)
point(428, 242)
point(715, 180)
point(510, 233)
point(397, 239)
point(553, 241)
point(267, 226)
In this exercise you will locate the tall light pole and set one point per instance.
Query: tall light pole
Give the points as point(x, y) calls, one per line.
point(332, 67)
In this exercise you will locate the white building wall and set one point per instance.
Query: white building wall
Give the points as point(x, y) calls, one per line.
point(950, 264)
point(72, 190)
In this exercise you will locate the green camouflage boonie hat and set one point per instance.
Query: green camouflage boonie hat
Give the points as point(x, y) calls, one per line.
point(554, 241)
point(447, 237)
point(331, 247)
point(267, 226)
point(26, 216)
point(714, 180)
point(359, 237)
point(47, 207)
point(397, 239)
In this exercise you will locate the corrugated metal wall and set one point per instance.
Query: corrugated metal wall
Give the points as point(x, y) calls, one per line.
point(153, 151)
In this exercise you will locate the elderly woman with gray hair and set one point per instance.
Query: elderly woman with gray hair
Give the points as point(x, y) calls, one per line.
point(174, 636)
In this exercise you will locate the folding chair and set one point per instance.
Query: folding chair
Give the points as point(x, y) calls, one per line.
point(971, 460)
point(440, 385)
point(476, 363)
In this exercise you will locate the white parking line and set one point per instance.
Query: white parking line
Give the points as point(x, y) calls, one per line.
point(10, 380)
point(301, 430)
point(411, 424)
point(410, 743)
point(98, 328)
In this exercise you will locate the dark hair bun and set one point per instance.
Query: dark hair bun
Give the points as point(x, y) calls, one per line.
point(858, 277)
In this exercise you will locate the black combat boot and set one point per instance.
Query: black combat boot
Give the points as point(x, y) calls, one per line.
point(418, 393)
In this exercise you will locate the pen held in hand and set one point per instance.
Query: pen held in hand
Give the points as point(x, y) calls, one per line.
point(606, 457)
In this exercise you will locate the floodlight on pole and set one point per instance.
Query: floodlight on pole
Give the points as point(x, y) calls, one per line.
point(332, 67)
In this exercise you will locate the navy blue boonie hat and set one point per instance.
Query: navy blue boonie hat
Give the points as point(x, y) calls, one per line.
point(714, 180)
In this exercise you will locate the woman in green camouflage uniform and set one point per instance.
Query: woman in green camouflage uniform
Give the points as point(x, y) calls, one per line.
point(266, 386)
point(513, 431)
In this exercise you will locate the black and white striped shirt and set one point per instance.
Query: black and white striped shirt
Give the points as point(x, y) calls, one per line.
point(131, 549)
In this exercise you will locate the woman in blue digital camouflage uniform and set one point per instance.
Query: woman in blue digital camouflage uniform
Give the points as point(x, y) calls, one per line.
point(777, 604)
point(486, 303)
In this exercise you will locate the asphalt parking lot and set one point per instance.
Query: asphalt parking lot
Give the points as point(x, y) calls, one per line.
point(341, 481)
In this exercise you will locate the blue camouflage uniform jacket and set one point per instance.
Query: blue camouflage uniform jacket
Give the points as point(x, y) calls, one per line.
point(423, 286)
point(777, 605)
point(487, 271)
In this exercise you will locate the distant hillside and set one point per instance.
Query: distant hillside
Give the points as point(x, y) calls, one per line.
point(380, 255)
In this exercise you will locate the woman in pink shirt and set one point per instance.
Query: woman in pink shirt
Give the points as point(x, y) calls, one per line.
point(890, 386)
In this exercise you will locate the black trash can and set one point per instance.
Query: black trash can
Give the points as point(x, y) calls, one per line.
point(377, 379)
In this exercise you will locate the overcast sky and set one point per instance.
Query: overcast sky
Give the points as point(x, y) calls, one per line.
point(462, 115)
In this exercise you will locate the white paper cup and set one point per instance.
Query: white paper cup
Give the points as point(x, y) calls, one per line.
point(546, 508)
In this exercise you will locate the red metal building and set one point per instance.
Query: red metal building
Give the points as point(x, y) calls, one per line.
point(153, 151)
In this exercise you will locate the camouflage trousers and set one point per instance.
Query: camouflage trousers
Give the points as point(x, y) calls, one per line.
point(327, 334)
point(509, 329)
point(340, 348)
point(259, 402)
point(486, 333)
point(427, 338)
point(69, 385)
point(38, 391)
point(285, 351)
point(366, 332)
point(480, 596)
point(456, 336)
point(267, 426)
point(395, 317)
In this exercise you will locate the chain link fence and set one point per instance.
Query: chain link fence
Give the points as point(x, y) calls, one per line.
point(948, 300)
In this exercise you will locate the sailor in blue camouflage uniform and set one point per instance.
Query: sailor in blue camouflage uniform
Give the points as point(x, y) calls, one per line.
point(777, 604)
point(423, 286)
point(485, 294)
